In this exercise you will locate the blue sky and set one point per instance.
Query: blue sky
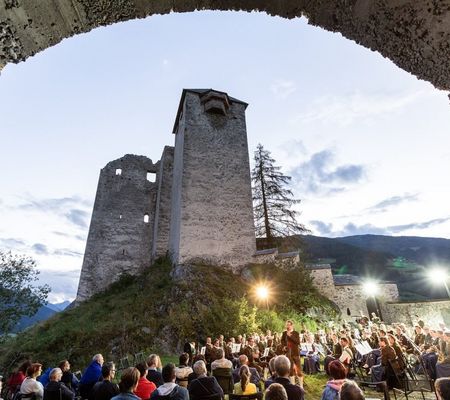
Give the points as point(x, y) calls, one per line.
point(366, 142)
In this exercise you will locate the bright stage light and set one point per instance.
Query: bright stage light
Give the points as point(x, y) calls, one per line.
point(438, 275)
point(262, 292)
point(371, 288)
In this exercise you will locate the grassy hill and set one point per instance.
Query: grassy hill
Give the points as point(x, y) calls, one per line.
point(155, 312)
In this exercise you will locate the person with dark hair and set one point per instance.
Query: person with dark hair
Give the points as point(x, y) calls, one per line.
point(16, 379)
point(189, 348)
point(282, 370)
point(388, 356)
point(351, 391)
point(204, 386)
point(276, 392)
point(244, 386)
point(347, 354)
point(442, 386)
point(221, 361)
point(55, 389)
point(30, 386)
point(68, 378)
point(153, 373)
point(183, 370)
point(128, 384)
point(338, 373)
point(145, 388)
point(170, 390)
point(105, 389)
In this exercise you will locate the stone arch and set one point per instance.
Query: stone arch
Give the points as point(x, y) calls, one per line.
point(415, 35)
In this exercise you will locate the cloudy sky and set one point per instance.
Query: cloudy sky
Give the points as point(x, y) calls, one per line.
point(366, 143)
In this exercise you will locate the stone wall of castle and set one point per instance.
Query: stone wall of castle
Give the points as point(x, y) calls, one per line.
point(212, 210)
point(432, 312)
point(121, 226)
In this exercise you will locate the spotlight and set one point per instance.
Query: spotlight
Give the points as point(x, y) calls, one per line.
point(371, 288)
point(438, 275)
point(262, 292)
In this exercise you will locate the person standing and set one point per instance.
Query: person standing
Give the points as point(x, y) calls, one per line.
point(291, 342)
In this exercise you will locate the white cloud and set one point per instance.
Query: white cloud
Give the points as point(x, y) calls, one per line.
point(347, 109)
point(282, 88)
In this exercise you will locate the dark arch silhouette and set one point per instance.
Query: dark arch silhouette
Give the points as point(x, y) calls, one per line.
point(415, 35)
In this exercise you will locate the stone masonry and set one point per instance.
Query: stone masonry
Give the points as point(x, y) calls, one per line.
point(195, 204)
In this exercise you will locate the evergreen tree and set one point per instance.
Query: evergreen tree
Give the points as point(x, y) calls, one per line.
point(272, 199)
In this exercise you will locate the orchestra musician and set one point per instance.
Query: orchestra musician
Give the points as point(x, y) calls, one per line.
point(291, 341)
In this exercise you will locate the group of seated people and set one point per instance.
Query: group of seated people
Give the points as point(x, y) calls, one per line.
point(260, 364)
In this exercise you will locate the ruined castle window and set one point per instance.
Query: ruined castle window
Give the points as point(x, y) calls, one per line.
point(151, 176)
point(119, 171)
point(146, 218)
point(120, 216)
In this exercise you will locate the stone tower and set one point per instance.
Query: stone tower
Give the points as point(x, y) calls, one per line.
point(212, 212)
point(195, 204)
point(121, 230)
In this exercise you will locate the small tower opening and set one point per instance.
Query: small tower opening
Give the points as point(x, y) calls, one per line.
point(119, 171)
point(151, 176)
point(146, 218)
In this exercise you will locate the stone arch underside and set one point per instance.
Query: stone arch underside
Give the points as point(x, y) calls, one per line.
point(414, 34)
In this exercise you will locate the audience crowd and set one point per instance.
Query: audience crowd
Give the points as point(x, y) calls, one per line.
point(258, 365)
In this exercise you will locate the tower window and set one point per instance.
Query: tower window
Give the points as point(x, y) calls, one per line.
point(119, 171)
point(151, 176)
point(146, 218)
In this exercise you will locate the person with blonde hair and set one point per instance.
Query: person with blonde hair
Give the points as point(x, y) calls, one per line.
point(128, 384)
point(154, 370)
point(244, 386)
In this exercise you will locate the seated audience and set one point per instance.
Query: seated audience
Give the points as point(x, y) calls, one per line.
point(442, 386)
point(16, 379)
point(282, 370)
point(170, 390)
point(193, 375)
point(221, 361)
point(30, 386)
point(55, 389)
point(338, 373)
point(153, 374)
point(105, 389)
point(273, 375)
point(350, 391)
point(91, 375)
point(244, 387)
point(255, 377)
point(128, 384)
point(276, 392)
point(183, 370)
point(144, 388)
point(204, 386)
point(68, 378)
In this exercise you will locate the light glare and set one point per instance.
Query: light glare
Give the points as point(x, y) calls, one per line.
point(262, 292)
point(371, 288)
point(438, 275)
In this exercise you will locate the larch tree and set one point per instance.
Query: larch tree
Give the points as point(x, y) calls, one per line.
point(273, 200)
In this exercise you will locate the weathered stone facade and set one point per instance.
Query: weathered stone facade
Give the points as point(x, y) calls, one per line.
point(198, 209)
point(348, 292)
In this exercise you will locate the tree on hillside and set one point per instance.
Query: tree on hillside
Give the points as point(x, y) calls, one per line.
point(19, 295)
point(272, 199)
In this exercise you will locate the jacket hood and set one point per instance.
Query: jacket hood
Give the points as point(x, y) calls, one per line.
point(336, 384)
point(167, 388)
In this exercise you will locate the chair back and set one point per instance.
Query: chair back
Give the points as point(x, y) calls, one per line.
point(224, 377)
point(254, 396)
point(182, 382)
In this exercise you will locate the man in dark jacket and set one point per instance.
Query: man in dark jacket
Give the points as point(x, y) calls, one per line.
point(282, 371)
point(204, 386)
point(105, 390)
point(170, 390)
point(291, 342)
point(55, 389)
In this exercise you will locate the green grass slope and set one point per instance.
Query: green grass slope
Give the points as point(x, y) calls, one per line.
point(154, 312)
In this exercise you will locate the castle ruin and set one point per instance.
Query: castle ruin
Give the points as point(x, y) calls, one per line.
point(194, 204)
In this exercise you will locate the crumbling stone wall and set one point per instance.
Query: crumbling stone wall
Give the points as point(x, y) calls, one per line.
point(212, 208)
point(414, 34)
point(119, 240)
point(163, 204)
point(431, 312)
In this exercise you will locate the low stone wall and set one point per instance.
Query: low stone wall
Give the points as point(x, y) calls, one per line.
point(431, 312)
